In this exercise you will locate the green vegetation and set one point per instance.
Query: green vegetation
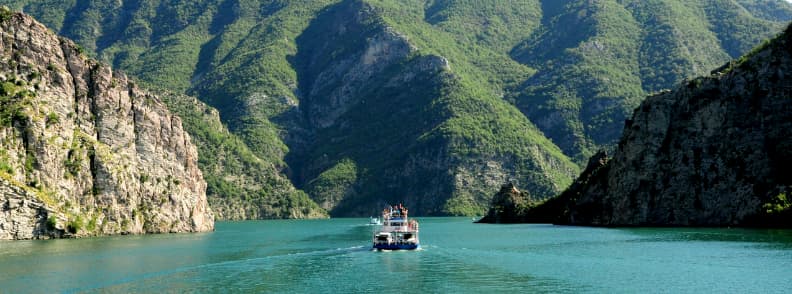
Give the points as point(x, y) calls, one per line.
point(52, 222)
point(91, 227)
point(768, 9)
point(460, 206)
point(596, 61)
point(239, 184)
point(75, 224)
point(13, 101)
point(74, 158)
point(475, 36)
point(451, 113)
point(778, 205)
point(753, 52)
point(738, 29)
point(333, 184)
point(531, 87)
point(5, 165)
point(52, 119)
point(92, 223)
point(30, 162)
point(5, 14)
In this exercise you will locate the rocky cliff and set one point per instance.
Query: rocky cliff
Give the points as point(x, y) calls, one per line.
point(508, 206)
point(716, 151)
point(289, 78)
point(85, 151)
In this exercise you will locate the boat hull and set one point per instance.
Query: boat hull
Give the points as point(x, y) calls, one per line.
point(396, 246)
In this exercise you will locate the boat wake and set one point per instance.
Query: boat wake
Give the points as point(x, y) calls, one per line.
point(397, 250)
point(251, 261)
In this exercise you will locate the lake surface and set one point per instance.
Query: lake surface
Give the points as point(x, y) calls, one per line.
point(321, 256)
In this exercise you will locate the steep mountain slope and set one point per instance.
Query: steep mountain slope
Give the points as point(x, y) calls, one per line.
point(597, 59)
point(414, 129)
point(83, 151)
point(240, 185)
point(713, 152)
point(573, 68)
point(768, 9)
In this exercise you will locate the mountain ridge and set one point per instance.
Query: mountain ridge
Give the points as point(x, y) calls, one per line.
point(238, 56)
point(712, 152)
point(720, 159)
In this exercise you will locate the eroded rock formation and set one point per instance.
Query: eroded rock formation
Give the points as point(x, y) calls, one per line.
point(84, 151)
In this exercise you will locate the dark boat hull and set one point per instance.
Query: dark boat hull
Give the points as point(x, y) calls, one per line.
point(396, 246)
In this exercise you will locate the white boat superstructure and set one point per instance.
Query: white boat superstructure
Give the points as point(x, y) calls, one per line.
point(398, 231)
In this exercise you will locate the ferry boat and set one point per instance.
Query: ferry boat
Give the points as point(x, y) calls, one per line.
point(398, 232)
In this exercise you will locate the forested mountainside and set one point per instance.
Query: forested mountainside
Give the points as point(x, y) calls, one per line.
point(83, 150)
point(715, 151)
point(432, 103)
point(240, 185)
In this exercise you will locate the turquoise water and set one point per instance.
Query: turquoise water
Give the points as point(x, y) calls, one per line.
point(321, 256)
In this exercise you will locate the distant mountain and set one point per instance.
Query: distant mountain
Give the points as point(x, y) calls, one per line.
point(715, 151)
point(433, 103)
point(597, 59)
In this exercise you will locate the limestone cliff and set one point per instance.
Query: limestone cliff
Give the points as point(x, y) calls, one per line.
point(83, 150)
point(716, 151)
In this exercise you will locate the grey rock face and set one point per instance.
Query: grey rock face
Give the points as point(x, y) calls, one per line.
point(91, 150)
point(22, 214)
point(712, 152)
point(334, 89)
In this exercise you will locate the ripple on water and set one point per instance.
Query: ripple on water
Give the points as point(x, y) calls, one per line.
point(456, 256)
